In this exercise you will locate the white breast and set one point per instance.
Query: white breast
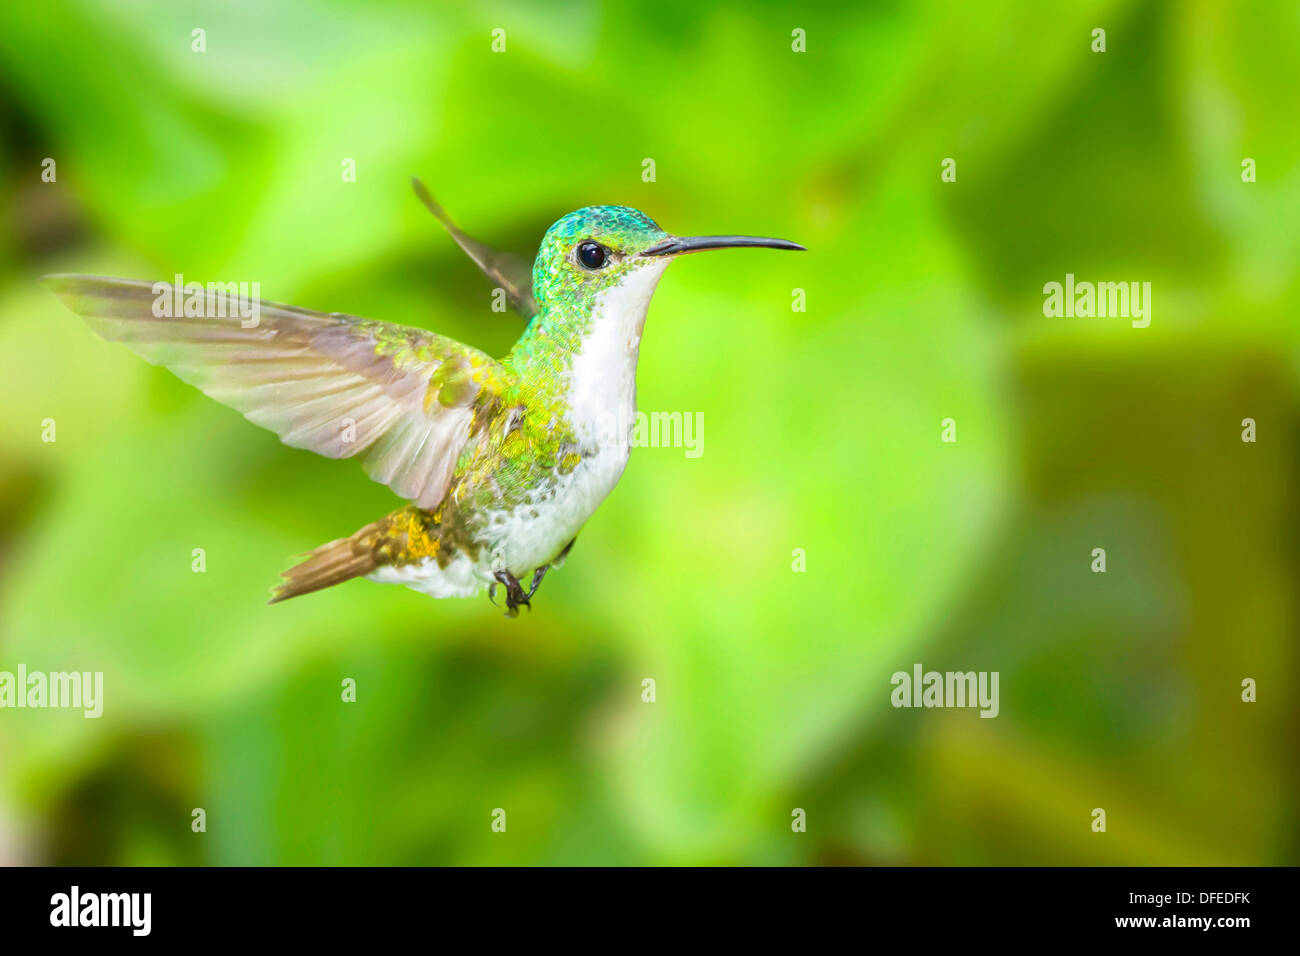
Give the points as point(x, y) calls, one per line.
point(601, 397)
point(602, 382)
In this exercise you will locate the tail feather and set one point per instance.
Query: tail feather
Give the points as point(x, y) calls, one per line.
point(330, 564)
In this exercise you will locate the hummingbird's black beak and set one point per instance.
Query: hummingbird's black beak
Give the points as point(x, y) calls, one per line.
point(676, 246)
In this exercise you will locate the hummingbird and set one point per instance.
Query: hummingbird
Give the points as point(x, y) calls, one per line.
point(501, 461)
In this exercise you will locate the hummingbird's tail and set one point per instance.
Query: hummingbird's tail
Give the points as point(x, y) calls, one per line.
point(407, 536)
point(330, 564)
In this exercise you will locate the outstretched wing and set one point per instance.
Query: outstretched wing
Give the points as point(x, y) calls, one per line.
point(335, 384)
point(506, 270)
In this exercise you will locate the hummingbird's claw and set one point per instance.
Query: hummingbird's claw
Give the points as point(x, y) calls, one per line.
point(515, 596)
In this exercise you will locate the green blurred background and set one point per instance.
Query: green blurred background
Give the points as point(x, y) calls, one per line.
point(821, 432)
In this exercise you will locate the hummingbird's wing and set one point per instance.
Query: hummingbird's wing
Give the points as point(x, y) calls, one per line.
point(503, 268)
point(341, 386)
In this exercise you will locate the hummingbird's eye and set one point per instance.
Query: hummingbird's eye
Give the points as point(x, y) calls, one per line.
point(592, 254)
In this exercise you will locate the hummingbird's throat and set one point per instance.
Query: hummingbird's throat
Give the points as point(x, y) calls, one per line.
point(601, 378)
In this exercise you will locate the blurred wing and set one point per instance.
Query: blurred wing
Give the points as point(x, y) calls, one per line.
point(331, 383)
point(505, 270)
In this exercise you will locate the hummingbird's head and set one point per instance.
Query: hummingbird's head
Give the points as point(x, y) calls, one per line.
point(598, 248)
point(591, 250)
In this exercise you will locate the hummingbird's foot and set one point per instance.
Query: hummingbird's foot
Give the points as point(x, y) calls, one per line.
point(515, 595)
point(537, 580)
point(540, 573)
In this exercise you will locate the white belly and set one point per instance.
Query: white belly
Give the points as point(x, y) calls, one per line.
point(523, 539)
point(535, 532)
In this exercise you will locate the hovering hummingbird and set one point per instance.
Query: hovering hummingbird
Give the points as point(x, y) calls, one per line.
point(502, 461)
